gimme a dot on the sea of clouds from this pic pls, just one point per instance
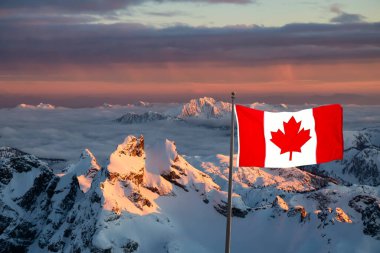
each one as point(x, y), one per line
point(64, 132)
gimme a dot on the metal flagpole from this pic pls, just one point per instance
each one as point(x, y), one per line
point(229, 208)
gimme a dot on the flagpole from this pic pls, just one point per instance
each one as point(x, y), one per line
point(229, 207)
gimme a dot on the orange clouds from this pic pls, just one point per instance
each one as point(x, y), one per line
point(202, 78)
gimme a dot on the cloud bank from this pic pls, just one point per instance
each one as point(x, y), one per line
point(94, 5)
point(135, 43)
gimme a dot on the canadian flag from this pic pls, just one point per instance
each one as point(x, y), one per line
point(288, 139)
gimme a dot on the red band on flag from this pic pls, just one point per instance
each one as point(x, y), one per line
point(328, 127)
point(250, 136)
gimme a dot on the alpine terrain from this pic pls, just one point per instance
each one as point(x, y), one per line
point(147, 193)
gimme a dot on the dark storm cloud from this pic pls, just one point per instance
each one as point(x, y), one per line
point(93, 5)
point(54, 44)
point(68, 5)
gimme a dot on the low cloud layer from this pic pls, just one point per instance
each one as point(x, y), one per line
point(64, 133)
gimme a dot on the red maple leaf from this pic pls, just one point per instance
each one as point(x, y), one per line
point(293, 139)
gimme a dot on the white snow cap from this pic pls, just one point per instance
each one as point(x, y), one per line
point(205, 107)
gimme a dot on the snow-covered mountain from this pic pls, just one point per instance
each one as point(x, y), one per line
point(205, 108)
point(149, 198)
point(39, 106)
point(143, 104)
point(209, 108)
point(131, 117)
point(361, 163)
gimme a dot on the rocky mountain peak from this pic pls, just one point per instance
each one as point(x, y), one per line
point(205, 107)
point(131, 117)
point(133, 146)
point(129, 158)
point(8, 152)
point(85, 169)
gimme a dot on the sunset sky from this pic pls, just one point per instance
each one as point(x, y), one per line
point(84, 53)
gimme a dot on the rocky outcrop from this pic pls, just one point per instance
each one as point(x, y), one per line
point(46, 210)
point(280, 204)
point(361, 161)
point(299, 211)
point(369, 208)
point(222, 208)
point(26, 205)
point(364, 165)
point(133, 170)
point(134, 118)
point(341, 216)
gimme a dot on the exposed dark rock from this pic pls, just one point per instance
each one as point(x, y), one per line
point(24, 163)
point(95, 197)
point(130, 247)
point(172, 177)
point(135, 147)
point(56, 247)
point(323, 199)
point(139, 200)
point(96, 250)
point(10, 247)
point(294, 211)
point(364, 166)
point(8, 152)
point(360, 161)
point(6, 174)
point(69, 200)
point(67, 232)
point(39, 186)
point(236, 212)
point(326, 218)
point(24, 231)
point(362, 141)
point(369, 208)
point(133, 118)
point(4, 222)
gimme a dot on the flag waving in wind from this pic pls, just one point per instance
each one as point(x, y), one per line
point(288, 139)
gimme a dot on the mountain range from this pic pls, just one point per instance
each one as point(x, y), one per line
point(68, 184)
point(151, 199)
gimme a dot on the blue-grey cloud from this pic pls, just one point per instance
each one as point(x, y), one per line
point(166, 13)
point(54, 44)
point(344, 17)
point(93, 5)
point(348, 18)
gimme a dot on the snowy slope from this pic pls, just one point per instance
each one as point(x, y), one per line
point(149, 198)
point(361, 162)
point(149, 194)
